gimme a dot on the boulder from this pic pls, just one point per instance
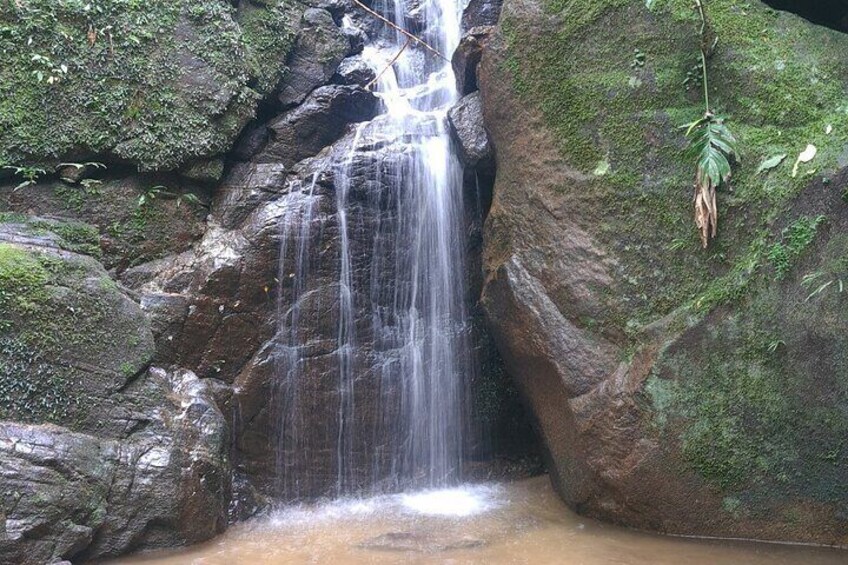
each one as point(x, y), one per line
point(354, 71)
point(319, 121)
point(179, 96)
point(687, 391)
point(481, 13)
point(466, 123)
point(75, 496)
point(98, 455)
point(467, 56)
point(319, 49)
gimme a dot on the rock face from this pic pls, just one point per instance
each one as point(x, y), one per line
point(316, 55)
point(318, 122)
point(151, 233)
point(161, 98)
point(679, 390)
point(130, 459)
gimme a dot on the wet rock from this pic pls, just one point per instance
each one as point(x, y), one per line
point(320, 48)
point(414, 15)
point(467, 56)
point(319, 121)
point(72, 495)
point(481, 13)
point(247, 186)
point(466, 122)
point(354, 71)
point(252, 140)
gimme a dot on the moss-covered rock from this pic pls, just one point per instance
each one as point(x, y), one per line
point(68, 336)
point(150, 83)
point(123, 221)
point(98, 455)
point(597, 284)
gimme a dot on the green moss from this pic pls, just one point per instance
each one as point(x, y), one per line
point(794, 241)
point(155, 83)
point(756, 395)
point(22, 281)
point(780, 83)
point(59, 316)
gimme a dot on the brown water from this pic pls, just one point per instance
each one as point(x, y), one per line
point(515, 523)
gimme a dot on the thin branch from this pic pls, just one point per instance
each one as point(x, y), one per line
point(704, 26)
point(400, 29)
point(389, 66)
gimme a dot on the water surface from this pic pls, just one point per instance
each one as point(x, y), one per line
point(516, 523)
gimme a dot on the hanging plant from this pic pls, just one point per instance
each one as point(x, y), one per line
point(711, 145)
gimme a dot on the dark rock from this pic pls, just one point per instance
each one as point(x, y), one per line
point(319, 121)
point(320, 48)
point(335, 7)
point(122, 232)
point(481, 13)
point(252, 140)
point(467, 56)
point(247, 186)
point(354, 71)
point(466, 122)
point(78, 496)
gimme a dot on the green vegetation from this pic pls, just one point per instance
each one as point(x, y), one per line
point(711, 143)
point(582, 84)
point(56, 319)
point(22, 281)
point(794, 241)
point(155, 83)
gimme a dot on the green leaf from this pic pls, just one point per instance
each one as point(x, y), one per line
point(771, 163)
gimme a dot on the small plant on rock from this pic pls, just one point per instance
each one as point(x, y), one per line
point(711, 144)
point(29, 174)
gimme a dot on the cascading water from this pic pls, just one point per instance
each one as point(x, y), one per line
point(382, 403)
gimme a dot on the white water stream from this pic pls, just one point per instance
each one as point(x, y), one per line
point(416, 361)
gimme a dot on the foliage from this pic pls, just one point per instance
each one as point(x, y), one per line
point(162, 192)
point(29, 174)
point(711, 145)
point(794, 241)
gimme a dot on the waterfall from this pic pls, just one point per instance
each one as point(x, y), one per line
point(385, 406)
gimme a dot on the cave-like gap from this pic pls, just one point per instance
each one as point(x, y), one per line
point(830, 13)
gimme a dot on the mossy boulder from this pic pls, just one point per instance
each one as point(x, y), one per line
point(154, 84)
point(122, 222)
point(678, 389)
point(69, 337)
point(98, 454)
